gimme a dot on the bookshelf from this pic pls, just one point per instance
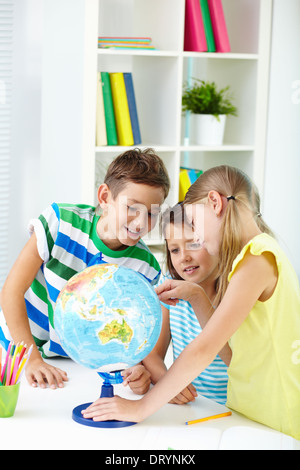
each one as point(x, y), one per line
point(159, 76)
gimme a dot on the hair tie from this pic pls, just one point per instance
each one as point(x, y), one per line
point(230, 197)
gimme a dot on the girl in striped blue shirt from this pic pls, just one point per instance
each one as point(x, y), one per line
point(187, 261)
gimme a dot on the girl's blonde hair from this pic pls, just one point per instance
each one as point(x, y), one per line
point(228, 181)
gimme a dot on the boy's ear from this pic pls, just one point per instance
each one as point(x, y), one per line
point(103, 195)
point(216, 202)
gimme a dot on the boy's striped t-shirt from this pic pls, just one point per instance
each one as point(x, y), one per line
point(184, 327)
point(68, 242)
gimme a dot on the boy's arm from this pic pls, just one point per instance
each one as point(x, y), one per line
point(12, 299)
point(14, 309)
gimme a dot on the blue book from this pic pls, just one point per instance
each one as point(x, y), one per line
point(132, 108)
point(192, 175)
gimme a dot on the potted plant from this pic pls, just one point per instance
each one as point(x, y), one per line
point(210, 108)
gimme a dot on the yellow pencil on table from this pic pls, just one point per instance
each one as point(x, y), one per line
point(201, 420)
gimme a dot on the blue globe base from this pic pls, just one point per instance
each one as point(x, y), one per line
point(107, 391)
point(77, 416)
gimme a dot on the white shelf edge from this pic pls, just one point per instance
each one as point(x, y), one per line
point(219, 55)
point(121, 149)
point(185, 54)
point(218, 148)
point(174, 148)
point(138, 52)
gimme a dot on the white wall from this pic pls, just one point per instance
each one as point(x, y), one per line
point(62, 91)
point(46, 32)
point(282, 176)
point(26, 121)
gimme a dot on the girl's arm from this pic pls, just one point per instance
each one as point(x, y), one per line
point(170, 291)
point(14, 309)
point(253, 278)
point(155, 364)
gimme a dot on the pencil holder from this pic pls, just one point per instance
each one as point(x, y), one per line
point(8, 400)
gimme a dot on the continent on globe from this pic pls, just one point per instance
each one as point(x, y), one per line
point(107, 317)
point(116, 331)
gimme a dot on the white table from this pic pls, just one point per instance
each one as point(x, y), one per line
point(43, 420)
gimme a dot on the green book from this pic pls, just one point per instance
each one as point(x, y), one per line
point(211, 46)
point(111, 130)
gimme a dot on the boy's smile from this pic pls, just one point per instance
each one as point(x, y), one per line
point(130, 216)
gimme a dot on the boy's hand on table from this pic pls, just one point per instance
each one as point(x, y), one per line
point(186, 396)
point(138, 379)
point(39, 373)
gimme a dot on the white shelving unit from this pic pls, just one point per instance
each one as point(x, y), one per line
point(159, 77)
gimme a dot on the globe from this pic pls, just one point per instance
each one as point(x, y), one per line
point(107, 317)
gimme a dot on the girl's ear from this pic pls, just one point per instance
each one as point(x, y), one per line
point(216, 202)
point(103, 195)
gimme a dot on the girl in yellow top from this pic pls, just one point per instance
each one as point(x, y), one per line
point(259, 312)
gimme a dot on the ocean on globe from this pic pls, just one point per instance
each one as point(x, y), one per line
point(107, 317)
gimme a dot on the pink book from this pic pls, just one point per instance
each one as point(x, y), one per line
point(219, 26)
point(194, 33)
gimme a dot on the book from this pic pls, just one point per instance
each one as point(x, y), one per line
point(121, 109)
point(187, 176)
point(219, 25)
point(101, 138)
point(132, 108)
point(209, 34)
point(122, 38)
point(234, 437)
point(184, 184)
point(111, 130)
point(194, 34)
point(125, 42)
point(126, 46)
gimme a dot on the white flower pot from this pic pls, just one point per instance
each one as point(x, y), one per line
point(208, 129)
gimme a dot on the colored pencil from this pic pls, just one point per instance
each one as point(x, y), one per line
point(15, 369)
point(7, 381)
point(222, 415)
point(0, 365)
point(22, 352)
point(5, 363)
point(16, 359)
point(21, 369)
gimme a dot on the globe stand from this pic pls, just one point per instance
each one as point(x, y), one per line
point(107, 391)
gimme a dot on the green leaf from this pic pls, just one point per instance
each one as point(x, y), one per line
point(204, 98)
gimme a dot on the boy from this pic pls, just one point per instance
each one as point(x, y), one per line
point(65, 239)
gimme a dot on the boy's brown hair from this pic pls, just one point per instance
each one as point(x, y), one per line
point(137, 166)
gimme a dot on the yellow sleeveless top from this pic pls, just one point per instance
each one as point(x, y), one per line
point(264, 374)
